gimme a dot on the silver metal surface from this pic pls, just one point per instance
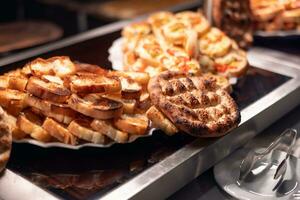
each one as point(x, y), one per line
point(260, 185)
point(285, 140)
point(13, 187)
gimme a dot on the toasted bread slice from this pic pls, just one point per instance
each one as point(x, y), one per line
point(17, 83)
point(11, 122)
point(4, 82)
point(96, 106)
point(82, 129)
point(132, 124)
point(144, 102)
point(130, 88)
point(59, 132)
point(30, 124)
point(12, 100)
point(60, 112)
point(160, 121)
point(129, 105)
point(94, 84)
point(94, 69)
point(62, 118)
point(139, 77)
point(107, 129)
point(50, 91)
point(59, 66)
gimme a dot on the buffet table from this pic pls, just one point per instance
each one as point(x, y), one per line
point(140, 169)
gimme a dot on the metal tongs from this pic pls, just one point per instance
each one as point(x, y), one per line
point(284, 142)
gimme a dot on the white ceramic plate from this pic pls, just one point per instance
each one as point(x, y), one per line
point(76, 147)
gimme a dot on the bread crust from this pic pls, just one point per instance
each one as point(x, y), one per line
point(194, 104)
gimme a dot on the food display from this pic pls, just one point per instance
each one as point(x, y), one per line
point(274, 15)
point(183, 42)
point(57, 100)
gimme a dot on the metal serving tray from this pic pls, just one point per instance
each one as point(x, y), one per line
point(150, 168)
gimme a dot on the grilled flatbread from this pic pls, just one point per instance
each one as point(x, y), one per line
point(194, 104)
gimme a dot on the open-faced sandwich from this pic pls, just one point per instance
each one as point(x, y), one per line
point(182, 42)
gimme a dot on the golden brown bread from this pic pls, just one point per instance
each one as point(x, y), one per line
point(60, 112)
point(140, 77)
point(31, 124)
point(132, 124)
point(194, 104)
point(160, 121)
point(82, 129)
point(50, 91)
point(107, 129)
point(92, 83)
point(59, 132)
point(96, 106)
point(18, 83)
point(12, 100)
point(130, 88)
point(60, 66)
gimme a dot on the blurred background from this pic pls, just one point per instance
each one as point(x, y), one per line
point(29, 23)
point(25, 24)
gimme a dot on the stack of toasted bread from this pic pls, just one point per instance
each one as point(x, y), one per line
point(182, 42)
point(57, 100)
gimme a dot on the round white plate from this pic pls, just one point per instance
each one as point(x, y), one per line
point(259, 187)
point(116, 54)
point(76, 147)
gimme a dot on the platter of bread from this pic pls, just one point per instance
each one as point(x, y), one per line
point(175, 78)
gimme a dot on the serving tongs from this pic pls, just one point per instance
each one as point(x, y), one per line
point(284, 142)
